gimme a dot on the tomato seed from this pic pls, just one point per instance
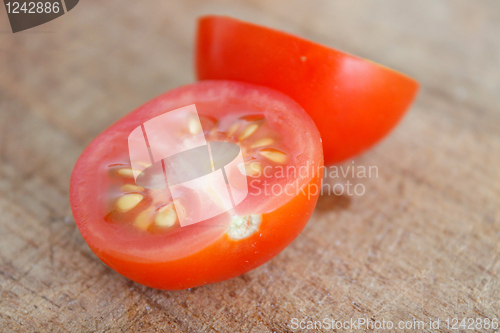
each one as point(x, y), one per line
point(232, 129)
point(127, 172)
point(143, 220)
point(262, 142)
point(194, 125)
point(250, 168)
point(273, 155)
point(249, 130)
point(166, 217)
point(131, 188)
point(128, 201)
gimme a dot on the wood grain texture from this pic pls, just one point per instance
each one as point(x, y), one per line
point(422, 243)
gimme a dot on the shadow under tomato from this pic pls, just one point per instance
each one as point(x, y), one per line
point(332, 202)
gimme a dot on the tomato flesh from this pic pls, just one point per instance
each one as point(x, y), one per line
point(135, 230)
point(354, 102)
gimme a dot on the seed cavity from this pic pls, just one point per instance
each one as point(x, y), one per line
point(128, 201)
point(249, 130)
point(262, 143)
point(208, 123)
point(274, 155)
point(244, 226)
point(131, 188)
point(166, 217)
point(253, 117)
point(250, 168)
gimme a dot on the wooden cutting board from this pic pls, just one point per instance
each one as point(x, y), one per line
point(422, 243)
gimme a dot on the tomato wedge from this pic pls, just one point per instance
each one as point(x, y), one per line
point(137, 230)
point(353, 101)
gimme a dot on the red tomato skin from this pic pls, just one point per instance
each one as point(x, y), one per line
point(354, 102)
point(225, 258)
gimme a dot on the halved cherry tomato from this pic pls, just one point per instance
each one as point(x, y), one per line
point(353, 101)
point(136, 231)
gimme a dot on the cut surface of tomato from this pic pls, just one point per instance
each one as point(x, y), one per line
point(354, 102)
point(136, 229)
